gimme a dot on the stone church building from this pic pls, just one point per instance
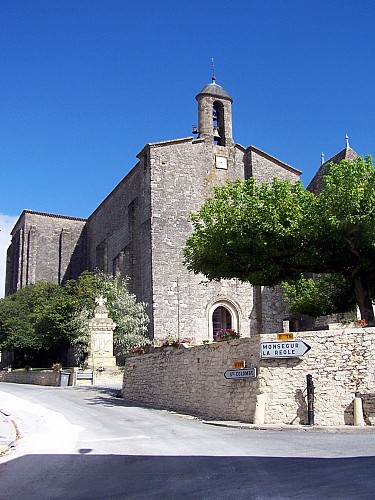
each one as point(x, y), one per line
point(141, 227)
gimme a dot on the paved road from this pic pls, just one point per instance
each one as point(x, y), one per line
point(81, 443)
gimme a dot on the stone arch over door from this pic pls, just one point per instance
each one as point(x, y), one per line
point(222, 314)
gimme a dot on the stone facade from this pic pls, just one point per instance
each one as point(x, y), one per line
point(341, 362)
point(139, 230)
point(45, 247)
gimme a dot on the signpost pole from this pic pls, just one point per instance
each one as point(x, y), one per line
point(310, 400)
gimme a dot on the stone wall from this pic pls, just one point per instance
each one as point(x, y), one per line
point(119, 231)
point(183, 175)
point(341, 362)
point(108, 378)
point(265, 167)
point(45, 247)
point(48, 377)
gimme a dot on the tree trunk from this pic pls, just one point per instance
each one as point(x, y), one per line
point(363, 298)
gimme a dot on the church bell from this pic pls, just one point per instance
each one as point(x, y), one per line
point(216, 133)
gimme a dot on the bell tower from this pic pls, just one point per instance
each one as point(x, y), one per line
point(215, 114)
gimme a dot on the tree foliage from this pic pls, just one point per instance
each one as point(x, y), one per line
point(46, 315)
point(319, 296)
point(274, 232)
point(37, 316)
point(128, 314)
point(254, 233)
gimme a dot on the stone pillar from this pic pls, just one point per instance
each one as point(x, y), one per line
point(358, 411)
point(101, 339)
point(260, 409)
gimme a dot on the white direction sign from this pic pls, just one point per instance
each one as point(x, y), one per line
point(286, 349)
point(242, 373)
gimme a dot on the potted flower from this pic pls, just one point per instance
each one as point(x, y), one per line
point(362, 323)
point(137, 350)
point(226, 334)
point(185, 342)
point(170, 341)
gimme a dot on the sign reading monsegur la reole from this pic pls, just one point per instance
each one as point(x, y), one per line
point(292, 349)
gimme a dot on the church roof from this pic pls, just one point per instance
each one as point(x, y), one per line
point(215, 90)
point(44, 214)
point(316, 184)
point(55, 216)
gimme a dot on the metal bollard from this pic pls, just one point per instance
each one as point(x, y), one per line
point(310, 400)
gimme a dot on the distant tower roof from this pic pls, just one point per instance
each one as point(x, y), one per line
point(316, 184)
point(214, 90)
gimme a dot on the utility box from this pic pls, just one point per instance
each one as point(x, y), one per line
point(64, 379)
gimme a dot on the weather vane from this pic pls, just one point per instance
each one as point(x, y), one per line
point(213, 71)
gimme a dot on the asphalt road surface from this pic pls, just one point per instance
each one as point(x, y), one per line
point(86, 443)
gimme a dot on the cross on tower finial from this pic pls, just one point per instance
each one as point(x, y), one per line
point(347, 141)
point(213, 71)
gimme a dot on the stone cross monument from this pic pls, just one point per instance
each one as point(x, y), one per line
point(101, 338)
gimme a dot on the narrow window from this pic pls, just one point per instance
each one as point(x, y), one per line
point(218, 123)
point(102, 257)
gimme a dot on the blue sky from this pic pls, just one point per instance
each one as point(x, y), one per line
point(84, 84)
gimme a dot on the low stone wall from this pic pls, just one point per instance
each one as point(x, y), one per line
point(48, 377)
point(108, 378)
point(341, 362)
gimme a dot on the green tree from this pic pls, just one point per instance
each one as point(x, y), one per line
point(274, 232)
point(38, 316)
point(324, 294)
point(84, 290)
point(128, 314)
point(46, 315)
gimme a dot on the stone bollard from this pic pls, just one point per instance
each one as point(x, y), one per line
point(358, 411)
point(260, 409)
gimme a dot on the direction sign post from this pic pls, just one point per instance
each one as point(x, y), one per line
point(287, 349)
point(242, 373)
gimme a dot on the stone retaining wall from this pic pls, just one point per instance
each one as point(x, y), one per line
point(51, 378)
point(341, 362)
point(108, 378)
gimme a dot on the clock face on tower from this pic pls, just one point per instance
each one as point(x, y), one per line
point(221, 162)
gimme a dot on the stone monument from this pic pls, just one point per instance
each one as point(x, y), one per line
point(101, 338)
